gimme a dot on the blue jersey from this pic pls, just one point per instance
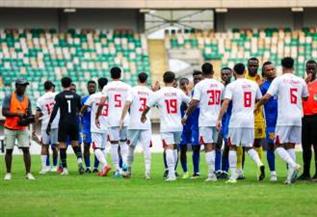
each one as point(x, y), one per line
point(270, 107)
point(225, 122)
point(85, 119)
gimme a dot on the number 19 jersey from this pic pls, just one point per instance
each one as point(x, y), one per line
point(169, 100)
point(242, 93)
point(209, 93)
point(116, 93)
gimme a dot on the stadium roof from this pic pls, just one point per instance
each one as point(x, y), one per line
point(158, 4)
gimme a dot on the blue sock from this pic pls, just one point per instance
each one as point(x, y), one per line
point(218, 160)
point(96, 163)
point(87, 160)
point(48, 160)
point(196, 158)
point(183, 158)
point(55, 159)
point(225, 163)
point(271, 159)
point(164, 160)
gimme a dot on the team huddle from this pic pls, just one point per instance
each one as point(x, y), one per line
point(228, 118)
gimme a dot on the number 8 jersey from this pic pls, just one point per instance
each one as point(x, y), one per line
point(289, 90)
point(242, 93)
point(169, 100)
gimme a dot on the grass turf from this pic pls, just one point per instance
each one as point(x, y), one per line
point(88, 195)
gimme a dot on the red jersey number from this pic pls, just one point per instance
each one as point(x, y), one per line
point(117, 99)
point(143, 104)
point(214, 97)
point(293, 95)
point(247, 96)
point(171, 106)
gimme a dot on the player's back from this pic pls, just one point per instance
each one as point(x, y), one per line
point(169, 100)
point(45, 104)
point(94, 101)
point(117, 93)
point(85, 118)
point(209, 93)
point(140, 95)
point(243, 93)
point(289, 90)
point(69, 104)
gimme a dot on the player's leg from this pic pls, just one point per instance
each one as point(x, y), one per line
point(23, 140)
point(306, 147)
point(87, 142)
point(9, 141)
point(315, 161)
point(44, 154)
point(225, 160)
point(74, 138)
point(207, 138)
point(232, 161)
point(54, 156)
point(165, 163)
point(240, 153)
point(168, 144)
point(63, 154)
point(185, 139)
point(123, 147)
point(114, 140)
point(270, 156)
point(218, 158)
point(196, 152)
point(99, 141)
point(133, 138)
point(145, 140)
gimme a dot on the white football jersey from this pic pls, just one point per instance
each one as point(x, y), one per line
point(45, 105)
point(139, 97)
point(209, 93)
point(289, 90)
point(116, 93)
point(169, 100)
point(243, 93)
point(94, 101)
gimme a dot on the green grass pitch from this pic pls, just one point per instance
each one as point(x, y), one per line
point(89, 195)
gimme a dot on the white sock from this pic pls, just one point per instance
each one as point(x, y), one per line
point(210, 160)
point(285, 156)
point(115, 156)
point(170, 162)
point(124, 151)
point(175, 153)
point(130, 157)
point(292, 153)
point(43, 160)
point(147, 158)
point(233, 163)
point(255, 157)
point(79, 160)
point(101, 157)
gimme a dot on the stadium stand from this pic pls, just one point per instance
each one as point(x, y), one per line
point(238, 45)
point(39, 54)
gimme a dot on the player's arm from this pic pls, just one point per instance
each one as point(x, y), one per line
point(83, 109)
point(262, 101)
point(124, 112)
point(223, 110)
point(191, 107)
point(99, 109)
point(143, 115)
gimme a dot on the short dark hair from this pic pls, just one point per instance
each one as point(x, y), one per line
point(48, 85)
point(66, 82)
point(91, 82)
point(184, 80)
point(287, 62)
point(142, 77)
point(311, 61)
point(225, 68)
point(168, 77)
point(207, 69)
point(239, 68)
point(102, 82)
point(115, 72)
point(253, 59)
point(265, 64)
point(197, 72)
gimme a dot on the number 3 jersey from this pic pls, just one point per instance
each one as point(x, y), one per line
point(139, 97)
point(209, 93)
point(116, 93)
point(242, 93)
point(169, 100)
point(289, 90)
point(45, 105)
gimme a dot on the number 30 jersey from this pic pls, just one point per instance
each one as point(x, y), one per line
point(242, 93)
point(45, 105)
point(139, 97)
point(209, 94)
point(289, 90)
point(169, 100)
point(116, 93)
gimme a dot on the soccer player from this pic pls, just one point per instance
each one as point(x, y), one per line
point(99, 134)
point(270, 108)
point(243, 93)
point(207, 94)
point(44, 107)
point(169, 100)
point(68, 103)
point(309, 121)
point(85, 122)
point(138, 132)
point(290, 90)
point(116, 92)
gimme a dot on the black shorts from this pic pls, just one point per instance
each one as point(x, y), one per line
point(68, 131)
point(309, 129)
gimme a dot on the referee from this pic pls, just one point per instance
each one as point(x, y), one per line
point(309, 122)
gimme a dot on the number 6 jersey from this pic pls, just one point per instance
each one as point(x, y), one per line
point(289, 90)
point(169, 100)
point(242, 93)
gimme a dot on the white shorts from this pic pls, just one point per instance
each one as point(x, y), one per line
point(288, 134)
point(51, 139)
point(139, 136)
point(241, 136)
point(99, 140)
point(170, 138)
point(208, 135)
point(115, 134)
